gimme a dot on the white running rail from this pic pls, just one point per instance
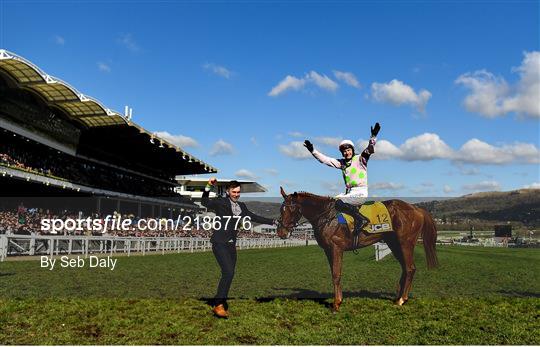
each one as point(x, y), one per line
point(32, 245)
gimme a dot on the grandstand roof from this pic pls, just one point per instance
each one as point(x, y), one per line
point(97, 120)
point(199, 182)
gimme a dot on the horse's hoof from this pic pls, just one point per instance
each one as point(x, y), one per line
point(400, 302)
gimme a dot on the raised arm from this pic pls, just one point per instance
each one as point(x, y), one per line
point(332, 162)
point(205, 200)
point(370, 149)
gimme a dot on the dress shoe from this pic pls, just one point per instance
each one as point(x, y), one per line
point(220, 311)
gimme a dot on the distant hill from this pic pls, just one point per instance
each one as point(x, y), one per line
point(266, 209)
point(521, 207)
point(518, 206)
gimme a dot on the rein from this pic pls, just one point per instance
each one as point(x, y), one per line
point(294, 204)
point(293, 225)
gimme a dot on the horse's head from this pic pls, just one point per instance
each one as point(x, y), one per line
point(291, 212)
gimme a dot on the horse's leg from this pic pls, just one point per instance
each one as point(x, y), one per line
point(393, 243)
point(410, 269)
point(329, 256)
point(337, 261)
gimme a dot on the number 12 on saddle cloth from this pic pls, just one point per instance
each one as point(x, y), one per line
point(376, 212)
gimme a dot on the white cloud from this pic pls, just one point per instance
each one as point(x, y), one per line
point(218, 70)
point(333, 187)
point(127, 41)
point(348, 77)
point(289, 82)
point(383, 149)
point(447, 189)
point(294, 83)
point(534, 185)
point(492, 96)
point(482, 186)
point(488, 93)
point(427, 146)
point(59, 40)
point(103, 67)
point(476, 151)
point(329, 141)
point(524, 152)
point(398, 93)
point(296, 134)
point(178, 140)
point(386, 186)
point(272, 172)
point(479, 152)
point(246, 174)
point(254, 141)
point(221, 148)
point(430, 146)
point(323, 82)
point(295, 150)
point(526, 100)
point(468, 171)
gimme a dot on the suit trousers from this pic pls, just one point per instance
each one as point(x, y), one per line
point(225, 254)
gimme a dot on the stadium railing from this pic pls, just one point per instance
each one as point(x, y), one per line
point(34, 245)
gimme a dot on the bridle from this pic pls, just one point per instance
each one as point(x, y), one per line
point(294, 224)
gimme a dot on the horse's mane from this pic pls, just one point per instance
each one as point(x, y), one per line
point(319, 198)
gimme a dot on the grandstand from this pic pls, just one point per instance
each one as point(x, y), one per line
point(63, 150)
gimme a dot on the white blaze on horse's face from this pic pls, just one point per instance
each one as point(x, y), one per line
point(282, 230)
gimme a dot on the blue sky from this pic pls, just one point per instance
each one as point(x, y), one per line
point(455, 85)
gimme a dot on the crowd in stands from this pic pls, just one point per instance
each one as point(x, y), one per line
point(27, 221)
point(23, 154)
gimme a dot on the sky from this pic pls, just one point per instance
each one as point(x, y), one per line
point(240, 85)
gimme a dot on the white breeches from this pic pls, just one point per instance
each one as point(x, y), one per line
point(356, 196)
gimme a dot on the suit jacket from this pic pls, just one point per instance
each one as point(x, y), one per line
point(222, 208)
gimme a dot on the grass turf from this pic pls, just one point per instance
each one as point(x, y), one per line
point(281, 296)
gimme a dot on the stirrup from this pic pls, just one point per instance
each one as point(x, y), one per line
point(355, 243)
point(356, 234)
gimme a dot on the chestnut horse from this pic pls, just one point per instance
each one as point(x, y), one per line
point(408, 222)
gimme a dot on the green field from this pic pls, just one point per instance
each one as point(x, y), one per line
point(281, 296)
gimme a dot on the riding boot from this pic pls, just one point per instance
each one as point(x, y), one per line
point(359, 220)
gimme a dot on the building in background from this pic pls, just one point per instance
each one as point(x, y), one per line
point(193, 187)
point(57, 142)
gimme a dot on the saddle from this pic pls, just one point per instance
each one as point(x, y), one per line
point(376, 212)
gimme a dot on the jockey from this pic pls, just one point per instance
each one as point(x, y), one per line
point(354, 169)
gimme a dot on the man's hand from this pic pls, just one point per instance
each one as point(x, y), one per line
point(212, 181)
point(375, 130)
point(308, 145)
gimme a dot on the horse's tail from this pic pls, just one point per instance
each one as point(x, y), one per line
point(429, 237)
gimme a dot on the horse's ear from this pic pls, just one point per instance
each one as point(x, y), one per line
point(295, 195)
point(283, 194)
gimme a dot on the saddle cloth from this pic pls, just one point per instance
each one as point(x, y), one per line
point(376, 212)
